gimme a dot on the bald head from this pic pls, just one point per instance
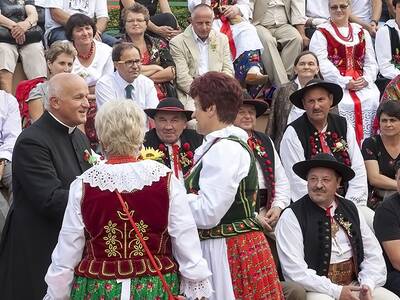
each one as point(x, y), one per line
point(203, 9)
point(202, 19)
point(67, 98)
point(62, 83)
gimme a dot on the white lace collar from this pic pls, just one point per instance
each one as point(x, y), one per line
point(124, 177)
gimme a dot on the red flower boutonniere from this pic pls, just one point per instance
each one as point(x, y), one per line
point(91, 158)
point(164, 150)
point(186, 157)
point(255, 145)
point(336, 143)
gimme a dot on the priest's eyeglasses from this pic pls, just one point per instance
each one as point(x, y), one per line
point(130, 63)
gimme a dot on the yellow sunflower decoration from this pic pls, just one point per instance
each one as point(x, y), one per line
point(150, 153)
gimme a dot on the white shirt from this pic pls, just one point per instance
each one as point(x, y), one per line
point(112, 87)
point(292, 152)
point(89, 8)
point(223, 167)
point(290, 246)
point(203, 53)
point(10, 124)
point(295, 112)
point(317, 9)
point(383, 50)
point(101, 65)
point(127, 177)
point(362, 9)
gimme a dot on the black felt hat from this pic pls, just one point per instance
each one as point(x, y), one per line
point(169, 104)
point(323, 160)
point(260, 105)
point(297, 97)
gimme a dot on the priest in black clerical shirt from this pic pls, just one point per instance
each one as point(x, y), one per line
point(47, 158)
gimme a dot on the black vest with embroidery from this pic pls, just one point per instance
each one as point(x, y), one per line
point(336, 132)
point(316, 230)
point(395, 46)
point(266, 159)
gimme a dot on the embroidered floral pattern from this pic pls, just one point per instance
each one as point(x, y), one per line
point(259, 150)
point(185, 155)
point(336, 143)
point(141, 287)
point(346, 225)
point(138, 249)
point(124, 244)
point(340, 146)
point(111, 239)
point(396, 59)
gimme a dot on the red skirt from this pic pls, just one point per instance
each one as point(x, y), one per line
point(253, 271)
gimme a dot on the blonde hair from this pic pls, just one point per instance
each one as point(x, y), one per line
point(120, 127)
point(60, 47)
point(348, 2)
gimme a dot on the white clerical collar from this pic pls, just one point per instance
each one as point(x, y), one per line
point(199, 40)
point(70, 129)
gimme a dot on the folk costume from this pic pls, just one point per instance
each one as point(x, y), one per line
point(302, 141)
point(47, 157)
point(273, 184)
point(347, 53)
point(179, 156)
point(244, 43)
point(325, 249)
point(99, 254)
point(388, 57)
point(223, 187)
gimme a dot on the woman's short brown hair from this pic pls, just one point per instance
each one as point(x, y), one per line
point(78, 20)
point(136, 8)
point(221, 90)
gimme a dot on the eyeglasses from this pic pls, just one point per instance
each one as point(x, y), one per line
point(341, 6)
point(130, 63)
point(316, 180)
point(135, 21)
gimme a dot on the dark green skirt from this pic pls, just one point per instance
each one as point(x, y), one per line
point(142, 288)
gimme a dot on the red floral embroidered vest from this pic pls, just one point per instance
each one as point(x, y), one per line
point(112, 248)
point(348, 59)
